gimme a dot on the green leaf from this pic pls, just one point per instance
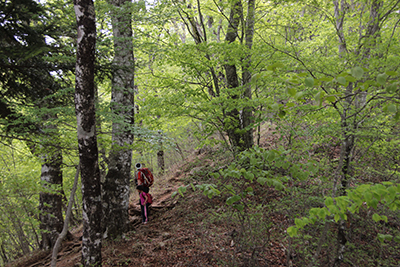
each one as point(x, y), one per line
point(326, 79)
point(248, 176)
point(262, 180)
point(376, 217)
point(381, 78)
point(298, 95)
point(328, 201)
point(182, 190)
point(382, 237)
point(274, 66)
point(282, 113)
point(290, 104)
point(309, 81)
point(239, 207)
point(292, 91)
point(357, 72)
point(350, 78)
point(249, 189)
point(233, 199)
point(341, 80)
point(391, 73)
point(331, 98)
point(275, 106)
point(392, 108)
point(215, 175)
point(292, 231)
point(277, 184)
point(392, 88)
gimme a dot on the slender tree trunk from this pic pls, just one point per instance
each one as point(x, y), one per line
point(68, 213)
point(347, 144)
point(160, 154)
point(87, 139)
point(117, 181)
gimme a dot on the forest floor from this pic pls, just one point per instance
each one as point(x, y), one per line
point(179, 233)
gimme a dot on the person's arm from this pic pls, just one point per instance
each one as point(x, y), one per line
point(145, 198)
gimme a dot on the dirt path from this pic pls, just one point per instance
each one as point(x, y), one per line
point(70, 252)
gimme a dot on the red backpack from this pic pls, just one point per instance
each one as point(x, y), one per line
point(149, 198)
point(148, 178)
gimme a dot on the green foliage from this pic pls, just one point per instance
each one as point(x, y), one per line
point(366, 195)
point(19, 195)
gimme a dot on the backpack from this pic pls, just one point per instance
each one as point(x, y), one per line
point(149, 198)
point(148, 178)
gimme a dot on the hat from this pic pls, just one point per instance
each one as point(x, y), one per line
point(138, 166)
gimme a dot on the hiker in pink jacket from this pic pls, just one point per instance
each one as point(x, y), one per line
point(145, 201)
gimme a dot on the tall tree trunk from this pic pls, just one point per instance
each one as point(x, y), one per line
point(339, 16)
point(232, 123)
point(50, 204)
point(87, 139)
point(347, 135)
point(116, 185)
point(247, 114)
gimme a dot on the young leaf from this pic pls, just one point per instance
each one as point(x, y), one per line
point(376, 217)
point(381, 78)
point(392, 88)
point(292, 231)
point(309, 81)
point(357, 72)
point(292, 91)
point(341, 80)
point(239, 207)
point(233, 199)
point(262, 180)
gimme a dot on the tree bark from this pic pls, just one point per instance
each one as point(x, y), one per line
point(116, 186)
point(50, 203)
point(160, 154)
point(87, 139)
point(232, 122)
point(247, 115)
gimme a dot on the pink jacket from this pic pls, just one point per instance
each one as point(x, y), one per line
point(143, 196)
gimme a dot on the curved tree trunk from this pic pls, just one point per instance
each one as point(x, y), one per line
point(116, 185)
point(87, 139)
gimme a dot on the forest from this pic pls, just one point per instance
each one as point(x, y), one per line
point(271, 127)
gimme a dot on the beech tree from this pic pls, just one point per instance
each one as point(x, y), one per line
point(117, 181)
point(87, 139)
